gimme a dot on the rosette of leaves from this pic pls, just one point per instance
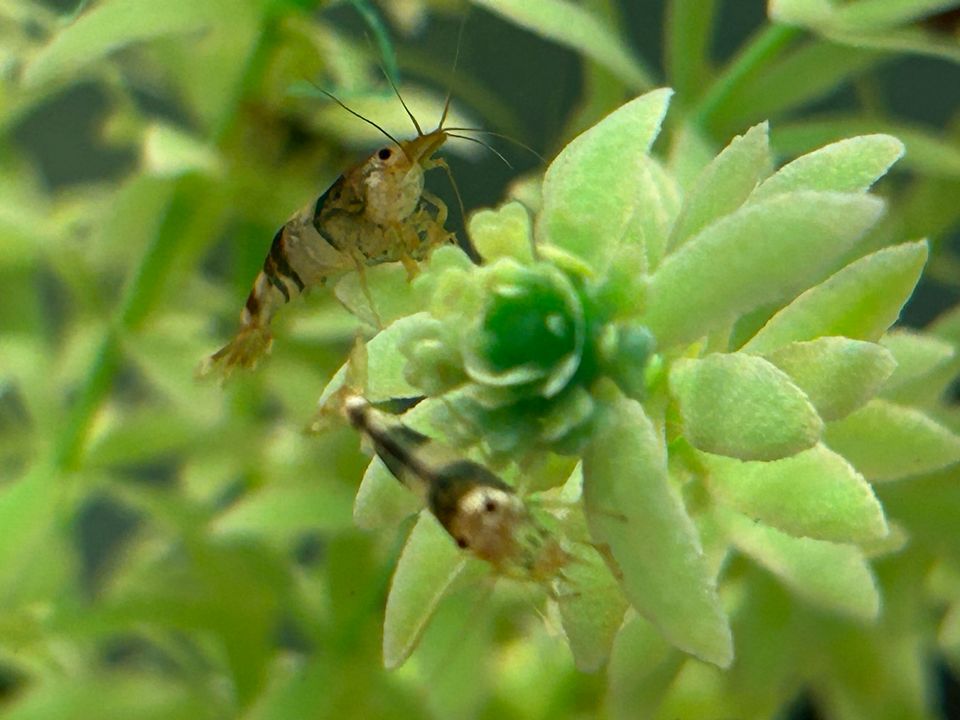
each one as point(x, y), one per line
point(753, 439)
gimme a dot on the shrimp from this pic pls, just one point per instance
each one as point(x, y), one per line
point(482, 514)
point(376, 212)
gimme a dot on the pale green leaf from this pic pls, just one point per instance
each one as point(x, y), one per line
point(761, 253)
point(592, 610)
point(428, 566)
point(634, 510)
point(576, 27)
point(924, 151)
point(382, 500)
point(281, 512)
point(111, 25)
point(923, 366)
point(850, 165)
point(504, 232)
point(860, 301)
point(885, 441)
point(837, 374)
point(869, 15)
point(658, 202)
point(725, 183)
point(386, 364)
point(815, 493)
point(829, 575)
point(590, 190)
point(742, 406)
point(109, 696)
point(642, 667)
point(169, 152)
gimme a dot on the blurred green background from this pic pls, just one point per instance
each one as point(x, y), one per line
point(174, 549)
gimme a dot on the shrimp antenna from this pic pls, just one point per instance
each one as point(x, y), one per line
point(453, 72)
point(488, 146)
point(353, 112)
point(396, 90)
point(502, 137)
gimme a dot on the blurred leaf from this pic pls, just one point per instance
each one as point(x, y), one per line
point(922, 366)
point(591, 189)
point(689, 29)
point(113, 24)
point(724, 184)
point(860, 301)
point(592, 609)
point(642, 667)
point(742, 406)
point(761, 253)
point(837, 374)
point(834, 577)
point(576, 27)
point(815, 493)
point(807, 74)
point(886, 441)
point(850, 165)
point(112, 696)
point(634, 511)
point(169, 151)
point(504, 232)
point(427, 568)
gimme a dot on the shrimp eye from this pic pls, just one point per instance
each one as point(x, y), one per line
point(384, 153)
point(490, 506)
point(461, 543)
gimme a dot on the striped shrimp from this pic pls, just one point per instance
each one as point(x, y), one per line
point(482, 514)
point(375, 212)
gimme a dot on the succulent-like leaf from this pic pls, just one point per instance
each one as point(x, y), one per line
point(831, 576)
point(851, 165)
point(634, 511)
point(815, 493)
point(741, 406)
point(885, 441)
point(860, 301)
point(428, 566)
point(837, 374)
point(590, 190)
point(725, 183)
point(762, 253)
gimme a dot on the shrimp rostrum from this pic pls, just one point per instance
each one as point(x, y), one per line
point(375, 212)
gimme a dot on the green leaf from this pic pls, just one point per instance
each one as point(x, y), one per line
point(886, 441)
point(922, 366)
point(924, 151)
point(590, 190)
point(742, 406)
point(860, 301)
point(169, 152)
point(657, 204)
point(851, 165)
point(576, 27)
point(504, 232)
point(382, 500)
point(689, 27)
point(815, 493)
point(592, 610)
point(642, 668)
point(832, 576)
point(428, 566)
point(634, 510)
point(837, 374)
point(725, 183)
point(111, 25)
point(870, 15)
point(761, 253)
point(811, 72)
point(111, 696)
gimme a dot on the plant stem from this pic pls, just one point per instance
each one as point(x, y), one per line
point(764, 47)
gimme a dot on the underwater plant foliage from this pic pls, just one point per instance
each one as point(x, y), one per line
point(683, 349)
